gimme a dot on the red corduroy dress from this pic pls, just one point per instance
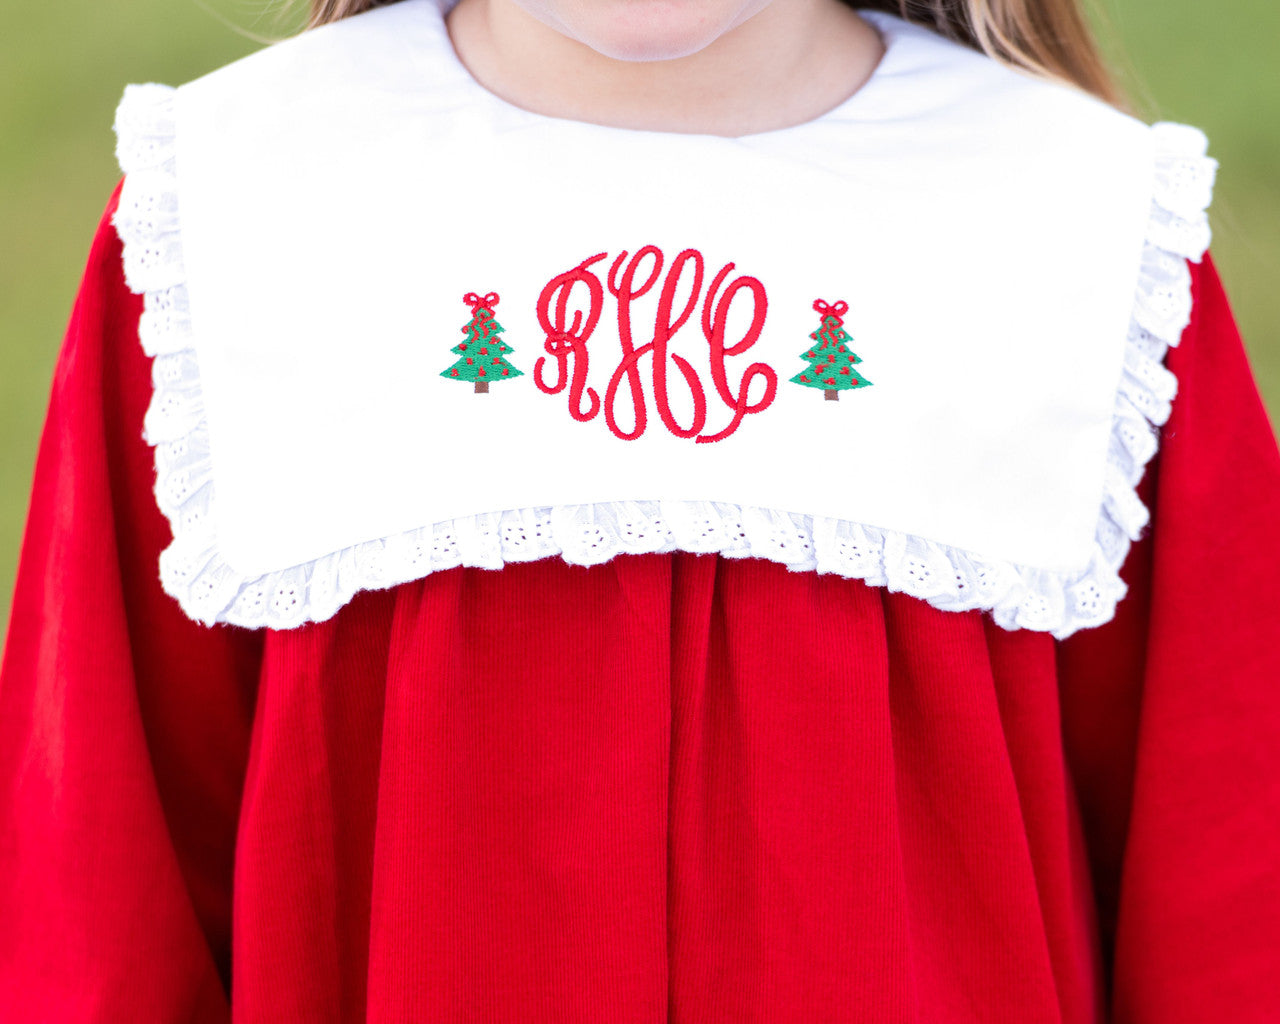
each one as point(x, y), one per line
point(671, 787)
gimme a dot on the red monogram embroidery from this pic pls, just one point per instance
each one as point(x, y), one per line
point(714, 329)
point(569, 343)
point(567, 339)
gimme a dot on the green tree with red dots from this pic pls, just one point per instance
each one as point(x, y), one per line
point(481, 354)
point(830, 359)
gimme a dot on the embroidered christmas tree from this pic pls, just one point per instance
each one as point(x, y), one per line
point(831, 361)
point(480, 354)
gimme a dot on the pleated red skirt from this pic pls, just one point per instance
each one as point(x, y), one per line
point(664, 788)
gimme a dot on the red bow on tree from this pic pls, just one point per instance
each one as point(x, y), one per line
point(838, 310)
point(484, 302)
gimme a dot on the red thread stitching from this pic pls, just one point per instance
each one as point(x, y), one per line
point(567, 340)
point(714, 330)
point(624, 290)
point(663, 330)
point(567, 343)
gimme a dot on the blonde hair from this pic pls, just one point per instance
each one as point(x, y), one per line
point(1049, 38)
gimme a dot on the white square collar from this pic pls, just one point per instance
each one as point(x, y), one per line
point(401, 325)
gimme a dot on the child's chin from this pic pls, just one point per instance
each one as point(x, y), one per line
point(650, 30)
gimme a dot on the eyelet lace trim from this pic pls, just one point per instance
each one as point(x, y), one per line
point(193, 571)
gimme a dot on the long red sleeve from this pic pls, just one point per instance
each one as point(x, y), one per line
point(123, 725)
point(1171, 712)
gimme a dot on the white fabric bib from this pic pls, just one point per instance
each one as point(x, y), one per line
point(994, 264)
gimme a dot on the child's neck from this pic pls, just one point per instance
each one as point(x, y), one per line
point(789, 63)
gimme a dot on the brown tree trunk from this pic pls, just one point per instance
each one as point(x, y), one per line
point(482, 387)
point(832, 395)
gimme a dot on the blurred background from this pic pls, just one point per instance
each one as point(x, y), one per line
point(63, 66)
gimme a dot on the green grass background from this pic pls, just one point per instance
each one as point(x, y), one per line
point(63, 66)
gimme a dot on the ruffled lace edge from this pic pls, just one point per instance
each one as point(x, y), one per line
point(209, 590)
